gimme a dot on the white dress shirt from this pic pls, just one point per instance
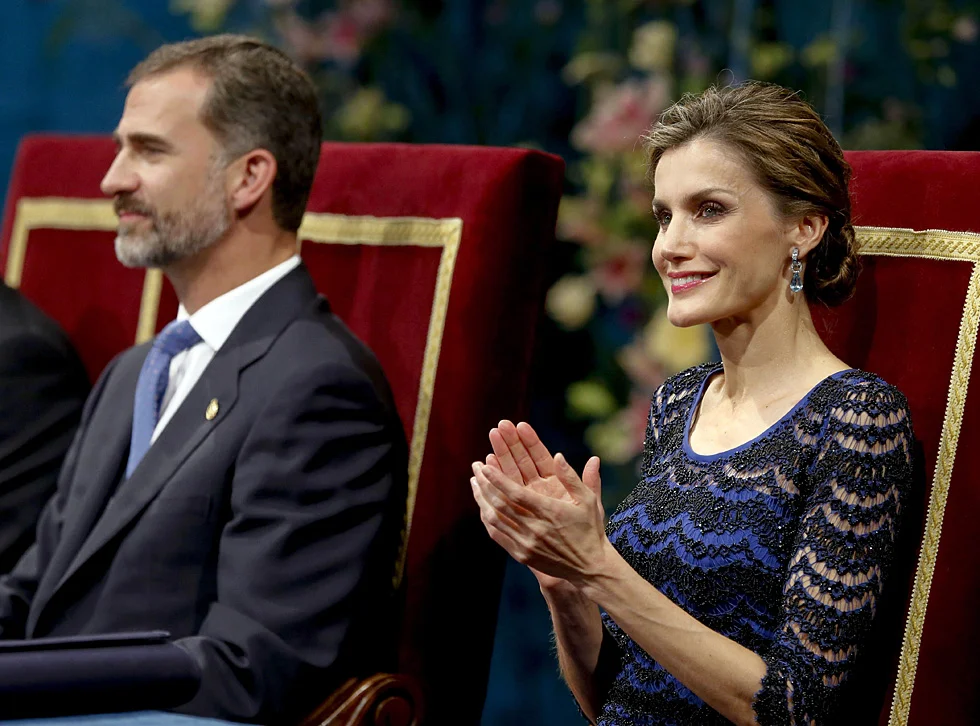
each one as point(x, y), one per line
point(214, 323)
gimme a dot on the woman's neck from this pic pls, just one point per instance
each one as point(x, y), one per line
point(772, 357)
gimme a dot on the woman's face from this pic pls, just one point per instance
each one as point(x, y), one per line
point(723, 251)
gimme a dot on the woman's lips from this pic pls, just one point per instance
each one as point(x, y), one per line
point(682, 283)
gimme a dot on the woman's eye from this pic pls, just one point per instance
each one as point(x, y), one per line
point(663, 218)
point(711, 209)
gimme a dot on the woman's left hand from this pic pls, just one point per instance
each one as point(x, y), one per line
point(559, 537)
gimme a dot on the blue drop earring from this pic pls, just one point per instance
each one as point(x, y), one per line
point(796, 283)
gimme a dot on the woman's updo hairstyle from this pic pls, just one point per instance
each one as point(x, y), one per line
point(794, 157)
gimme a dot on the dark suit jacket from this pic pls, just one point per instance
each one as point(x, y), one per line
point(264, 540)
point(42, 390)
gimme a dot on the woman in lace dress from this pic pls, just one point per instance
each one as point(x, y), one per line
point(737, 581)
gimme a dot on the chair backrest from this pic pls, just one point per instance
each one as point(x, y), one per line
point(434, 256)
point(913, 321)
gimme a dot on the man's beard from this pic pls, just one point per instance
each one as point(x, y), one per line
point(173, 236)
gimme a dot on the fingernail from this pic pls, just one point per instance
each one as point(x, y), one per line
point(473, 482)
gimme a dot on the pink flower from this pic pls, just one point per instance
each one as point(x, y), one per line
point(578, 221)
point(965, 29)
point(370, 16)
point(622, 273)
point(696, 63)
point(621, 114)
point(496, 13)
point(338, 36)
point(548, 12)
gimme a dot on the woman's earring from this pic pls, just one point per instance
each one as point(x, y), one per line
point(796, 283)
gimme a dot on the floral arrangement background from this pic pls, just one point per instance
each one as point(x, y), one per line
point(585, 79)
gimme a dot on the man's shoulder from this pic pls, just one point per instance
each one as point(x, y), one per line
point(33, 337)
point(319, 348)
point(320, 336)
point(19, 316)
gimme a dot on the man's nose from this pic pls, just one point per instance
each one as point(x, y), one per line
point(119, 178)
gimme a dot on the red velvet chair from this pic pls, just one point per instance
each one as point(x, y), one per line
point(433, 255)
point(914, 320)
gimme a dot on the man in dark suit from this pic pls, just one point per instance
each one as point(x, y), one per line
point(42, 389)
point(241, 481)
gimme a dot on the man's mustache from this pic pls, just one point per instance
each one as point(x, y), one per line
point(123, 205)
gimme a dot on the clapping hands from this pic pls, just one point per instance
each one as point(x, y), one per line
point(538, 509)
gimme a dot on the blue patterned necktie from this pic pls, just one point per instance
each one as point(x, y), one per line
point(177, 337)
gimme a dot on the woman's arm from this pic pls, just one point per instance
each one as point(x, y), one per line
point(566, 539)
point(578, 640)
point(575, 619)
point(722, 673)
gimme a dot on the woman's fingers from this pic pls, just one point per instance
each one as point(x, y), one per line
point(494, 523)
point(544, 462)
point(503, 495)
point(518, 452)
point(489, 513)
point(590, 476)
point(575, 487)
point(504, 456)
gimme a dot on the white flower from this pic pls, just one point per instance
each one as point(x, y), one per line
point(653, 46)
point(206, 15)
point(571, 301)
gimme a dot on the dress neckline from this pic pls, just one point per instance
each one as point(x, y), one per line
point(696, 404)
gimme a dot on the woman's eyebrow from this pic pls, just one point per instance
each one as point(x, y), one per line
point(697, 196)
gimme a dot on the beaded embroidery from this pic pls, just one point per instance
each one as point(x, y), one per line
point(780, 544)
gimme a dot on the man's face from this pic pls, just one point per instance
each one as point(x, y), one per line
point(167, 180)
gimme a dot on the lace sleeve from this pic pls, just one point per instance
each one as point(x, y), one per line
point(844, 547)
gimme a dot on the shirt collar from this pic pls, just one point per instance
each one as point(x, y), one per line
point(215, 321)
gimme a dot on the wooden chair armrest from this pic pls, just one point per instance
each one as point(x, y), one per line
point(384, 699)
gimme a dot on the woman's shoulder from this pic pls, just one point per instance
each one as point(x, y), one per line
point(681, 385)
point(866, 390)
point(863, 407)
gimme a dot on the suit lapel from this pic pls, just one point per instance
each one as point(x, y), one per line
point(189, 427)
point(182, 435)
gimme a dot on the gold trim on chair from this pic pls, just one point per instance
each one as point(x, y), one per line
point(78, 214)
point(97, 214)
point(416, 231)
point(936, 245)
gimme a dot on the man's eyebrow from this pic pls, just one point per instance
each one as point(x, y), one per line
point(142, 139)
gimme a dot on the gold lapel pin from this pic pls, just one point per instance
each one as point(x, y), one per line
point(212, 410)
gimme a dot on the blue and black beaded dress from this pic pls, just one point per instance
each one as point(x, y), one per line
point(780, 544)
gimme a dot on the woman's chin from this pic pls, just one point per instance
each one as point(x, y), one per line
point(684, 318)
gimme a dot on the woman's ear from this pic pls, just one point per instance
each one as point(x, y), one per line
point(808, 232)
point(251, 175)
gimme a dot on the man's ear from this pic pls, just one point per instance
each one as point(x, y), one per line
point(250, 176)
point(807, 233)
